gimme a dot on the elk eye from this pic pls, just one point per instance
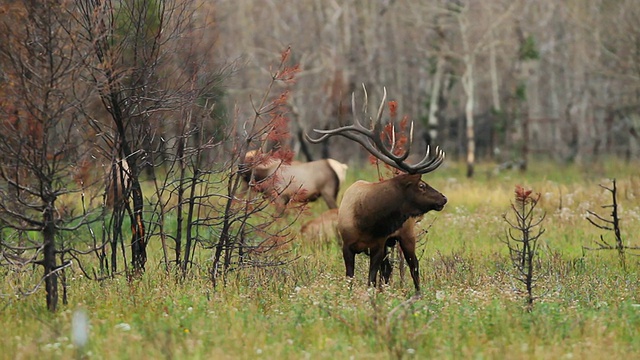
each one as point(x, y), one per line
point(422, 186)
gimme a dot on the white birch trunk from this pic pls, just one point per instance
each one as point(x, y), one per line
point(495, 92)
point(468, 85)
point(433, 103)
point(469, 90)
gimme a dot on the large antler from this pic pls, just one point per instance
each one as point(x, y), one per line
point(371, 140)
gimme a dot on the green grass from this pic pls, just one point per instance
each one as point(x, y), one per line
point(587, 306)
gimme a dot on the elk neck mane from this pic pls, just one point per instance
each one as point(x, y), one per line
point(384, 203)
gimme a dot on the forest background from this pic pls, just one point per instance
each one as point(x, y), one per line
point(123, 124)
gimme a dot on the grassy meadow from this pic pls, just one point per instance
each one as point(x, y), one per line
point(471, 307)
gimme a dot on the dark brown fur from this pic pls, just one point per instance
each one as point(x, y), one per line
point(372, 213)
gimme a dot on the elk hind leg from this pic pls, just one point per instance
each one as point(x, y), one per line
point(349, 260)
point(385, 267)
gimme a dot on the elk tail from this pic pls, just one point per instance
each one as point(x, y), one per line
point(339, 172)
point(339, 169)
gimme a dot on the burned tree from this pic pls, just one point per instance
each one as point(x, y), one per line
point(41, 141)
point(612, 224)
point(133, 46)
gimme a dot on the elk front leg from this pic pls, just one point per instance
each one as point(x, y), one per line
point(408, 247)
point(375, 263)
point(280, 203)
point(349, 260)
point(330, 200)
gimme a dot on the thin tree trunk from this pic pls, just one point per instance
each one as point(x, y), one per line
point(468, 85)
point(180, 193)
point(495, 83)
point(495, 95)
point(471, 141)
point(49, 261)
point(433, 103)
point(189, 225)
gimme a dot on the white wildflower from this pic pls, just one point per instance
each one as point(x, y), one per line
point(123, 327)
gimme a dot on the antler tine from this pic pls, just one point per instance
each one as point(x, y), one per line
point(365, 105)
point(343, 130)
point(378, 121)
point(427, 164)
point(410, 139)
point(356, 122)
point(398, 161)
point(318, 140)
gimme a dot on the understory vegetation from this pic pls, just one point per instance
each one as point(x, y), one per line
point(586, 305)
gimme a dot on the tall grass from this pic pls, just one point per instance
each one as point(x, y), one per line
point(587, 306)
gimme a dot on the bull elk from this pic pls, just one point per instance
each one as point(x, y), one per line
point(301, 182)
point(374, 216)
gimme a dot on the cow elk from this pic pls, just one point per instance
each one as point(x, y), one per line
point(322, 227)
point(298, 181)
point(375, 216)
